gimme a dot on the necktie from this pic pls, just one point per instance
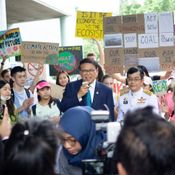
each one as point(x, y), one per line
point(88, 98)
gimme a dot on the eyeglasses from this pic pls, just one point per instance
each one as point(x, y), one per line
point(84, 71)
point(133, 79)
point(71, 142)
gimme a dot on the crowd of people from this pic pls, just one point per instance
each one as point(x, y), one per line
point(44, 135)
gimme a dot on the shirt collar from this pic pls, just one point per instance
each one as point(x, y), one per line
point(92, 85)
point(136, 93)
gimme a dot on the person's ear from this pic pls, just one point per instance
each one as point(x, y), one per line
point(121, 169)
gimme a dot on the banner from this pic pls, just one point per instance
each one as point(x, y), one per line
point(90, 24)
point(68, 60)
point(10, 41)
point(39, 52)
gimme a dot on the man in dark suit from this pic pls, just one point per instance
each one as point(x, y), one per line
point(77, 92)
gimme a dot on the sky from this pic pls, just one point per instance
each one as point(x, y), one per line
point(49, 30)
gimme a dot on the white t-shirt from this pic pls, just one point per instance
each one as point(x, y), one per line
point(46, 112)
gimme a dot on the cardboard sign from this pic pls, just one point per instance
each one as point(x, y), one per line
point(115, 60)
point(146, 53)
point(160, 87)
point(39, 52)
point(68, 60)
point(167, 58)
point(57, 91)
point(151, 34)
point(131, 57)
point(115, 56)
point(112, 24)
point(110, 69)
point(10, 41)
point(140, 23)
point(90, 24)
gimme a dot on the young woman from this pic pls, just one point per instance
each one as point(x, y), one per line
point(62, 78)
point(31, 149)
point(47, 107)
point(109, 81)
point(6, 100)
point(79, 139)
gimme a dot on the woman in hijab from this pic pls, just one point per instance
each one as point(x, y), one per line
point(79, 139)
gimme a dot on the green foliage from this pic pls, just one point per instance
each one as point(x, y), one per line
point(90, 46)
point(135, 7)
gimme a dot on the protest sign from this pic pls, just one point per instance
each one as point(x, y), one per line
point(112, 25)
point(68, 60)
point(151, 34)
point(39, 52)
point(32, 69)
point(167, 58)
point(10, 41)
point(90, 24)
point(159, 87)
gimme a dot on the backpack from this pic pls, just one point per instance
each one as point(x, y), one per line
point(27, 93)
point(57, 101)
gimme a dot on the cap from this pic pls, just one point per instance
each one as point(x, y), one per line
point(42, 85)
point(148, 81)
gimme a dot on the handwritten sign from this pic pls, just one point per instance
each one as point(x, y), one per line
point(31, 71)
point(148, 40)
point(112, 24)
point(159, 87)
point(40, 52)
point(151, 23)
point(110, 69)
point(90, 24)
point(167, 58)
point(166, 39)
point(130, 40)
point(68, 60)
point(10, 41)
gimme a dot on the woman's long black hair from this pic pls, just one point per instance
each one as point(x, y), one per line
point(9, 103)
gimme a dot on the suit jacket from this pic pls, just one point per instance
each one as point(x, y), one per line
point(102, 95)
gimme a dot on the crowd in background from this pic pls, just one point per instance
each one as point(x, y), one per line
point(52, 135)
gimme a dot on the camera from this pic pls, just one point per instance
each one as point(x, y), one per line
point(104, 164)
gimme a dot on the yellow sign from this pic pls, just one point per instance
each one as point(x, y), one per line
point(90, 24)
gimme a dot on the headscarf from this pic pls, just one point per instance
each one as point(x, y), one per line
point(77, 122)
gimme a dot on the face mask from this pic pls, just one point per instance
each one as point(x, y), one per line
point(5, 98)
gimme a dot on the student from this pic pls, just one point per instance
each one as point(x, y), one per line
point(145, 145)
point(109, 81)
point(5, 74)
point(5, 129)
point(47, 107)
point(22, 97)
point(80, 140)
point(88, 91)
point(6, 100)
point(31, 149)
point(62, 78)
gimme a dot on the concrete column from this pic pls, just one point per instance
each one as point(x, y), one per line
point(67, 30)
point(3, 16)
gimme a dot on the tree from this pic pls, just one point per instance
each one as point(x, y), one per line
point(135, 7)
